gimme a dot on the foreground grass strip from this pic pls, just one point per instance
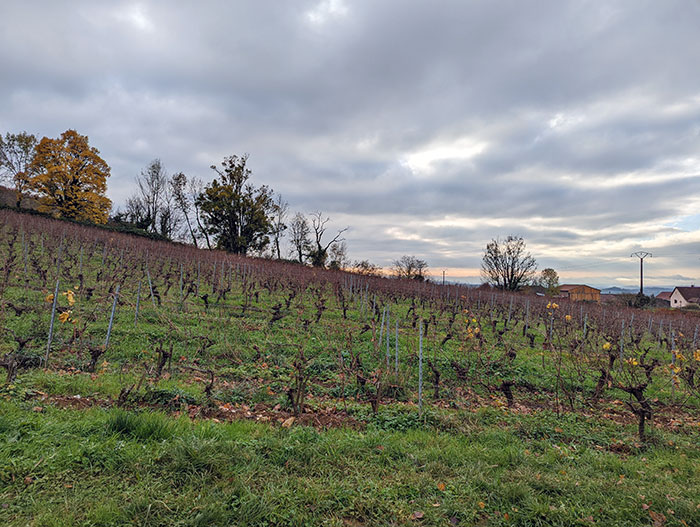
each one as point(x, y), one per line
point(110, 467)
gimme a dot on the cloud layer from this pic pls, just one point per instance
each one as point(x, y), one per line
point(429, 129)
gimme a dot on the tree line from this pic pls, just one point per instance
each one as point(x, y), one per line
point(68, 178)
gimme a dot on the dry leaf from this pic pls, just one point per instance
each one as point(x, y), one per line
point(417, 515)
point(441, 486)
point(658, 519)
point(288, 423)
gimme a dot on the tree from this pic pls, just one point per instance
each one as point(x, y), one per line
point(338, 256)
point(279, 216)
point(70, 178)
point(236, 212)
point(410, 267)
point(299, 231)
point(194, 190)
point(178, 186)
point(161, 203)
point(365, 268)
point(318, 254)
point(16, 155)
point(506, 264)
point(549, 279)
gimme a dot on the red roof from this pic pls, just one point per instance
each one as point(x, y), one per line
point(573, 287)
point(664, 295)
point(690, 294)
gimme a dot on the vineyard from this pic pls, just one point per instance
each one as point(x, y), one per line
point(158, 341)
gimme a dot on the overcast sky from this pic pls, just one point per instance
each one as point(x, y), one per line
point(429, 128)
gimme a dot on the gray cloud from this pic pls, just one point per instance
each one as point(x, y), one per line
point(429, 130)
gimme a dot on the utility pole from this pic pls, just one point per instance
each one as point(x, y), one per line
point(443, 277)
point(641, 255)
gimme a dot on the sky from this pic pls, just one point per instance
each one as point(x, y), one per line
point(427, 128)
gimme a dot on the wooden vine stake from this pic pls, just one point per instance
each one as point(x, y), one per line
point(111, 316)
point(420, 368)
point(53, 317)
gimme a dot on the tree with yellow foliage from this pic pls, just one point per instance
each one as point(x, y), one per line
point(70, 178)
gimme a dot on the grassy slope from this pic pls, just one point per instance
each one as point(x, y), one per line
point(94, 466)
point(97, 467)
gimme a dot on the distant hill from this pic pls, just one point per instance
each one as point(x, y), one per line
point(651, 290)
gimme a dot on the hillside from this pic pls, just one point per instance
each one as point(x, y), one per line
point(156, 384)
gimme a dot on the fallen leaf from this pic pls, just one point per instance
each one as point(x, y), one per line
point(481, 504)
point(288, 423)
point(658, 519)
point(417, 515)
point(441, 487)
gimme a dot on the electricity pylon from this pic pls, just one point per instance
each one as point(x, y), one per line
point(641, 255)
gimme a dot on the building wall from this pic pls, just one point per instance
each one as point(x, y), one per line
point(677, 299)
point(584, 294)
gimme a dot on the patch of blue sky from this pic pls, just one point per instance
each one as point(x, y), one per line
point(687, 223)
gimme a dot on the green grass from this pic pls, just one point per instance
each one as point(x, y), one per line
point(98, 467)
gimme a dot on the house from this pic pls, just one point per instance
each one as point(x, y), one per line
point(682, 296)
point(579, 293)
point(664, 298)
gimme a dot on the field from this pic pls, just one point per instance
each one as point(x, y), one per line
point(155, 384)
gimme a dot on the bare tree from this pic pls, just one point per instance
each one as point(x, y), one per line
point(279, 216)
point(155, 207)
point(152, 183)
point(507, 265)
point(178, 185)
point(195, 189)
point(170, 218)
point(366, 268)
point(299, 231)
point(319, 251)
point(338, 256)
point(136, 212)
point(410, 267)
point(16, 156)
